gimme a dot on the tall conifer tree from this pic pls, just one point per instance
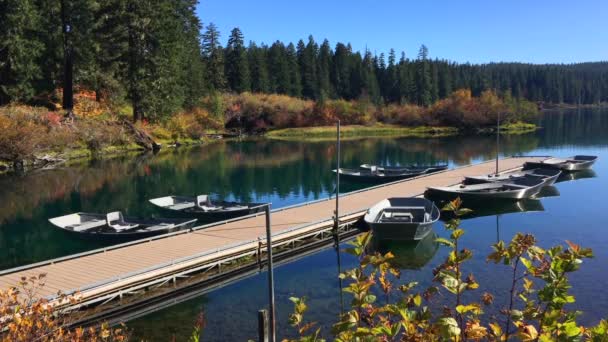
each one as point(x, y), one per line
point(237, 65)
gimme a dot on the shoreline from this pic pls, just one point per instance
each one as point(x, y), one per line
point(50, 159)
point(320, 133)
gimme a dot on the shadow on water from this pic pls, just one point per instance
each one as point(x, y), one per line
point(408, 255)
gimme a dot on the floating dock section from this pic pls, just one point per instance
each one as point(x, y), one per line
point(103, 275)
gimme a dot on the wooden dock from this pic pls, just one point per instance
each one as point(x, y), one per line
point(101, 275)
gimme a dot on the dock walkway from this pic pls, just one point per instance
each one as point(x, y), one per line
point(108, 271)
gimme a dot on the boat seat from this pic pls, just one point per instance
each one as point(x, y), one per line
point(161, 226)
point(203, 201)
point(180, 206)
point(116, 221)
point(86, 225)
point(209, 208)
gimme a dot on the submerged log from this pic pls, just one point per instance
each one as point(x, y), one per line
point(142, 138)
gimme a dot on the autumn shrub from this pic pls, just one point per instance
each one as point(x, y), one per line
point(405, 115)
point(20, 137)
point(185, 125)
point(535, 308)
point(259, 111)
point(24, 317)
point(348, 112)
point(96, 135)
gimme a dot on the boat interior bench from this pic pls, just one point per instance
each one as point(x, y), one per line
point(81, 227)
point(403, 214)
point(180, 206)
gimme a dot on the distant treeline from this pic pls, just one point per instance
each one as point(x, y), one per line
point(155, 55)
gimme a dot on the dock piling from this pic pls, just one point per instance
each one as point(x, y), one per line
point(263, 325)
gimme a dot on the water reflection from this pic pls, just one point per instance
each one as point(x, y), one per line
point(408, 255)
point(571, 176)
point(260, 170)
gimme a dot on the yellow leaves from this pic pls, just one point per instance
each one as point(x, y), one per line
point(475, 331)
point(496, 330)
point(526, 332)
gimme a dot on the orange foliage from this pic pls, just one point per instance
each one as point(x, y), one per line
point(463, 110)
point(29, 318)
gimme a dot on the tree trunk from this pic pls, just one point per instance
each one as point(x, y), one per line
point(142, 138)
point(68, 92)
point(134, 46)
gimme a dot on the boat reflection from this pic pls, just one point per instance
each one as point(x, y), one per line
point(571, 176)
point(497, 208)
point(548, 191)
point(409, 255)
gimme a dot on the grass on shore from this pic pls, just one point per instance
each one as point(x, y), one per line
point(518, 128)
point(377, 130)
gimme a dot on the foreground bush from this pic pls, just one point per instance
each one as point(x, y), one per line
point(24, 317)
point(536, 309)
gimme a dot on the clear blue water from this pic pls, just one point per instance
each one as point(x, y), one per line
point(286, 173)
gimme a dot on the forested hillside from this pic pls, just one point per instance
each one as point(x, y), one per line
point(155, 56)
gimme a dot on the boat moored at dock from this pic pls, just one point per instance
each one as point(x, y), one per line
point(373, 173)
point(402, 218)
point(549, 176)
point(406, 168)
point(202, 206)
point(574, 163)
point(114, 225)
point(517, 189)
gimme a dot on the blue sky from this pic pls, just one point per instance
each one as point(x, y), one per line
point(536, 31)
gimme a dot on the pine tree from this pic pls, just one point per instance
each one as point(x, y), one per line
point(445, 81)
point(19, 50)
point(278, 67)
point(214, 58)
point(294, 71)
point(340, 71)
point(111, 48)
point(307, 59)
point(193, 72)
point(258, 68)
point(323, 71)
point(77, 21)
point(237, 65)
point(423, 78)
point(370, 87)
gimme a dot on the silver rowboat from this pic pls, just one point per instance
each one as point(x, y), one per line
point(575, 163)
point(549, 176)
point(402, 218)
point(514, 190)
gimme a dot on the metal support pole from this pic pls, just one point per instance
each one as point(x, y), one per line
point(337, 212)
point(263, 326)
point(497, 139)
point(271, 326)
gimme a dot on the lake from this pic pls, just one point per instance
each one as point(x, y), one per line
point(290, 172)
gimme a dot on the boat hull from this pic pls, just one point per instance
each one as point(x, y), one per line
point(412, 168)
point(401, 232)
point(494, 192)
point(383, 218)
point(184, 206)
point(211, 216)
point(104, 232)
point(549, 176)
point(372, 178)
point(576, 163)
